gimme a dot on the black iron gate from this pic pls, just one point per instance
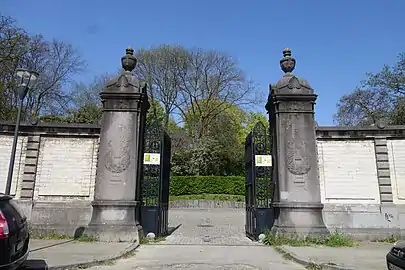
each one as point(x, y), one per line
point(259, 213)
point(155, 181)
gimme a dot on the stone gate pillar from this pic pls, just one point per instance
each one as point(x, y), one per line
point(297, 198)
point(116, 205)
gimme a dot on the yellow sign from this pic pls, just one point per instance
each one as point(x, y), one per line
point(263, 161)
point(151, 159)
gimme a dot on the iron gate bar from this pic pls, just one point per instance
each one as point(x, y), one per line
point(249, 198)
point(155, 182)
point(259, 213)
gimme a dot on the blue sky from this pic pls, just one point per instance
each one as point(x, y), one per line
point(334, 42)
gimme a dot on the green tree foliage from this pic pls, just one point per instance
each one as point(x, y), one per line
point(206, 92)
point(379, 98)
point(251, 119)
point(220, 151)
point(156, 112)
point(194, 83)
point(199, 96)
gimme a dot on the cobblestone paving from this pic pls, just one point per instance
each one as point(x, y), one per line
point(208, 227)
point(206, 240)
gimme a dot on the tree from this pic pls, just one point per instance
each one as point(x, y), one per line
point(85, 103)
point(160, 68)
point(186, 80)
point(213, 154)
point(251, 119)
point(155, 113)
point(212, 83)
point(86, 106)
point(89, 94)
point(379, 98)
point(397, 116)
point(55, 61)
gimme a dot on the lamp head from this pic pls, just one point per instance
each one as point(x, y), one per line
point(25, 79)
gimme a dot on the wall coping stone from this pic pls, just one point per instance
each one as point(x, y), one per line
point(335, 132)
point(51, 129)
point(322, 132)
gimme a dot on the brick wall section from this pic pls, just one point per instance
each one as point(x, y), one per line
point(66, 167)
point(30, 169)
point(383, 169)
point(6, 141)
point(26, 174)
point(347, 171)
point(380, 137)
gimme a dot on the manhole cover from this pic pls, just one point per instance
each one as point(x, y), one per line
point(205, 225)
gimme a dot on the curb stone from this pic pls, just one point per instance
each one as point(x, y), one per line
point(306, 262)
point(131, 247)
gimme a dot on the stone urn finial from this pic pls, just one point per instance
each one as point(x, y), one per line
point(129, 60)
point(287, 63)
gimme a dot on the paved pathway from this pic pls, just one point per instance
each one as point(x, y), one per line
point(208, 227)
point(205, 240)
point(369, 256)
point(203, 257)
point(66, 252)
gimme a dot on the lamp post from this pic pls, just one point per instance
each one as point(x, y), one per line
point(25, 80)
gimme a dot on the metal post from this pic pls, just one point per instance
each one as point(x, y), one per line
point(13, 150)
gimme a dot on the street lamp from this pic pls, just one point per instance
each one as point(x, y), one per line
point(25, 80)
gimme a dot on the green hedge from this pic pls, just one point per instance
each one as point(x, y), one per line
point(190, 185)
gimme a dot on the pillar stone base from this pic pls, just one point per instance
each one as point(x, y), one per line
point(115, 221)
point(299, 220)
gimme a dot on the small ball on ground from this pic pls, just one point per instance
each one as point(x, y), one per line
point(261, 237)
point(151, 235)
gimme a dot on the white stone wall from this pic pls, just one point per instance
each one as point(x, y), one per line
point(396, 155)
point(66, 168)
point(5, 152)
point(348, 172)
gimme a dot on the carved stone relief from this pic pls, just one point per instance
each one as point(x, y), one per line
point(121, 104)
point(293, 83)
point(117, 159)
point(298, 160)
point(122, 81)
point(294, 106)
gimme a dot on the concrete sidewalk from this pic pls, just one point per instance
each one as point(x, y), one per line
point(369, 256)
point(203, 257)
point(64, 254)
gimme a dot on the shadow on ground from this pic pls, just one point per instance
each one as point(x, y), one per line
point(34, 265)
point(49, 246)
point(78, 233)
point(172, 229)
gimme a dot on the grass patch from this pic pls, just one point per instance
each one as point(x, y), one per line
point(56, 236)
point(287, 256)
point(146, 240)
point(214, 197)
point(391, 239)
point(109, 262)
point(49, 236)
point(333, 240)
point(129, 254)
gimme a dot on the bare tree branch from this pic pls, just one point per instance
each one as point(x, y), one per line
point(379, 98)
point(55, 61)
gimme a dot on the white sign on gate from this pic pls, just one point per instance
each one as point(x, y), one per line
point(151, 159)
point(263, 161)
